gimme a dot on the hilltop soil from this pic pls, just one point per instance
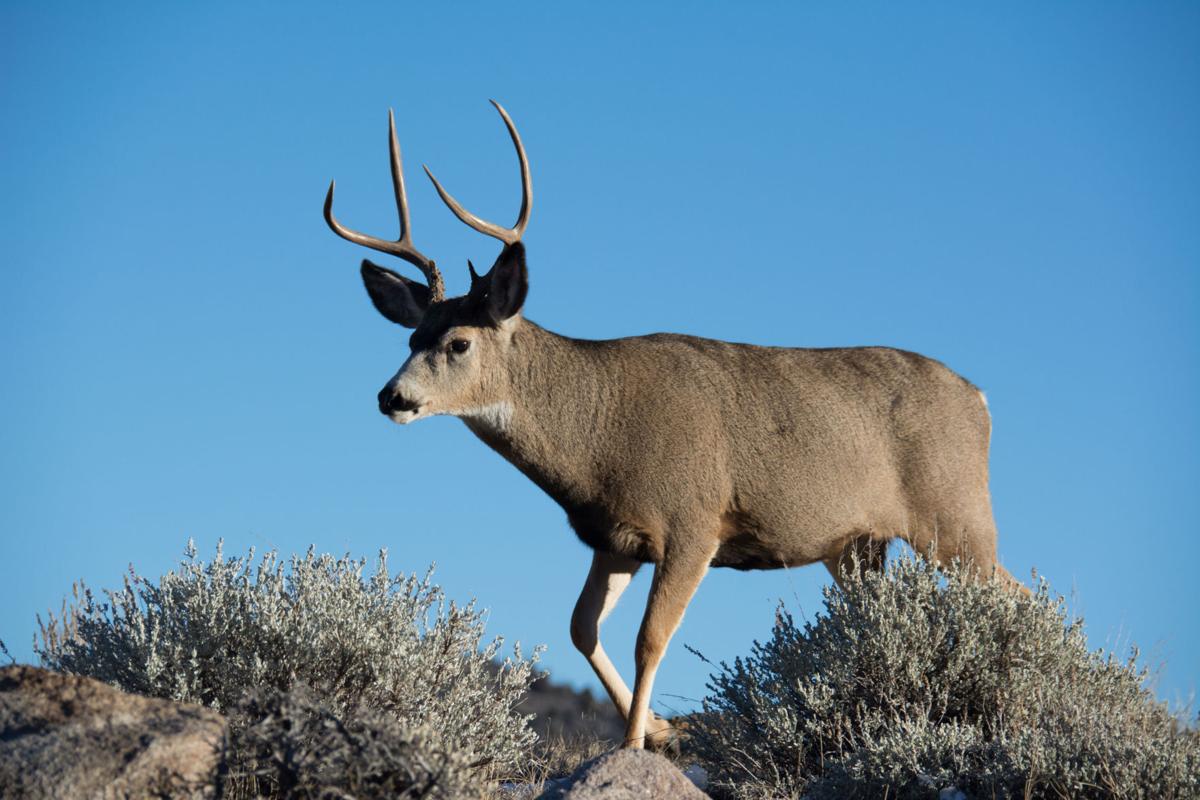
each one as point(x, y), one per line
point(563, 712)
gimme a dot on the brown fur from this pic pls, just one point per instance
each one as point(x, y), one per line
point(688, 453)
point(782, 455)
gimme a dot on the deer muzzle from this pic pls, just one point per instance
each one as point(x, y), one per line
point(392, 402)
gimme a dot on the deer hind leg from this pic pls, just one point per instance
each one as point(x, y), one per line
point(606, 581)
point(974, 546)
point(676, 579)
point(868, 553)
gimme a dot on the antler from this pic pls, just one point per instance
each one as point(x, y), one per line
point(506, 235)
point(402, 247)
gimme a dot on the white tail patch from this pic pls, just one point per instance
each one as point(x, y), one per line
point(987, 412)
point(493, 416)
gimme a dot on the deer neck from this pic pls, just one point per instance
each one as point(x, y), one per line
point(556, 409)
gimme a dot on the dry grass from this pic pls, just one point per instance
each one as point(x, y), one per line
point(556, 756)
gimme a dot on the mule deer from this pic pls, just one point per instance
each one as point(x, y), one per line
point(686, 452)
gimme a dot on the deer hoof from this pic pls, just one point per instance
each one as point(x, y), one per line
point(661, 736)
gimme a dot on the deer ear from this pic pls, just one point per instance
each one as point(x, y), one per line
point(396, 297)
point(509, 283)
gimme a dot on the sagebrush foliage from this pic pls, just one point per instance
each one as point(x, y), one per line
point(292, 744)
point(912, 682)
point(209, 631)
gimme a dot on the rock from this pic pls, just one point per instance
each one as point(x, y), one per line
point(625, 775)
point(697, 775)
point(68, 736)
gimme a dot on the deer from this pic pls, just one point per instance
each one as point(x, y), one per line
point(684, 452)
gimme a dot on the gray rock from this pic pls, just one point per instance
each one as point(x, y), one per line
point(626, 775)
point(697, 775)
point(68, 736)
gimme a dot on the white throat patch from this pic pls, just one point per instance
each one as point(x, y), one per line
point(494, 416)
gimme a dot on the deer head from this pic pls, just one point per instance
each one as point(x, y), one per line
point(460, 345)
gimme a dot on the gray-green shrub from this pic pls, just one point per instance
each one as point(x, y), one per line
point(294, 745)
point(911, 683)
point(209, 631)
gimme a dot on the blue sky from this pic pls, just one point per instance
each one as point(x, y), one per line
point(186, 350)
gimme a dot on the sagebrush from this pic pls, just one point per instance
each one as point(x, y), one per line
point(211, 630)
point(912, 682)
point(294, 745)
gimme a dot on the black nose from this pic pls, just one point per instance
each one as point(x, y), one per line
point(390, 402)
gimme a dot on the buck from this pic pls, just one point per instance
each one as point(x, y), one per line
point(682, 452)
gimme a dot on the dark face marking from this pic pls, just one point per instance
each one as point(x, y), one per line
point(465, 311)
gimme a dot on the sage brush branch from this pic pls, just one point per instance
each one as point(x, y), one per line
point(209, 631)
point(911, 683)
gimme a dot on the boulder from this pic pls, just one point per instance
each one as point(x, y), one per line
point(68, 736)
point(625, 775)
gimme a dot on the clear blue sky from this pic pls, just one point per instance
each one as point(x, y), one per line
point(186, 350)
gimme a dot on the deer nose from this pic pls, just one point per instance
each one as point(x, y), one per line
point(390, 401)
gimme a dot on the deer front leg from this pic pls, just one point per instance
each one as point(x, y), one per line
point(675, 581)
point(608, 578)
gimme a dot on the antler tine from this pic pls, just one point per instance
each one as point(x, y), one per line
point(398, 179)
point(402, 247)
point(506, 235)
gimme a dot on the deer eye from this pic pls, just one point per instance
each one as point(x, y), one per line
point(460, 345)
